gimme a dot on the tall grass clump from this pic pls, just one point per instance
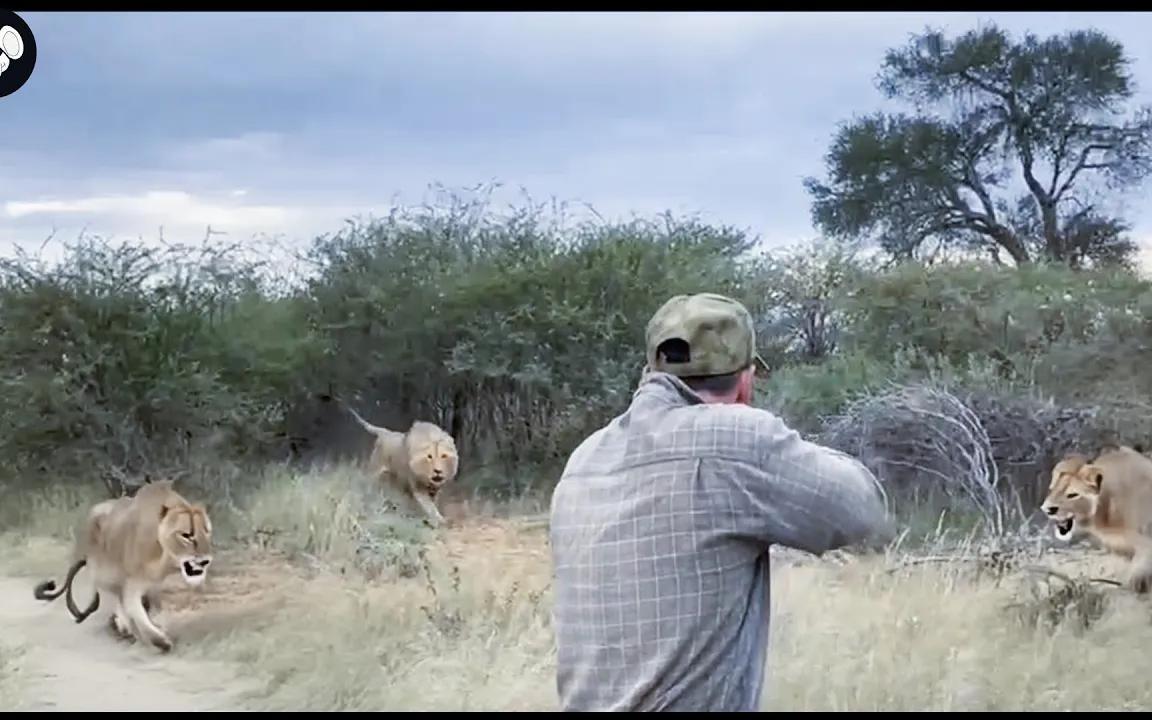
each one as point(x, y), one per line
point(974, 650)
point(333, 518)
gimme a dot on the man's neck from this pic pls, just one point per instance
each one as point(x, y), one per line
point(712, 399)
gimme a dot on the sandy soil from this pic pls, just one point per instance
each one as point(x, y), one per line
point(82, 667)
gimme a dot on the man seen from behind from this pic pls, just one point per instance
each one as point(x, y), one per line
point(662, 520)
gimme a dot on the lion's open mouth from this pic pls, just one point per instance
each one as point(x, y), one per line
point(1064, 527)
point(192, 569)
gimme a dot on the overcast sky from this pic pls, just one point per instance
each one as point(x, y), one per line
point(288, 123)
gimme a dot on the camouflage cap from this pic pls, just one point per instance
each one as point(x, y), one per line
point(716, 336)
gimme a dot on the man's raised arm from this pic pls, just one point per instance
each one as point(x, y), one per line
point(810, 497)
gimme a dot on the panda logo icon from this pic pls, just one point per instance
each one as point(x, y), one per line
point(17, 52)
point(11, 46)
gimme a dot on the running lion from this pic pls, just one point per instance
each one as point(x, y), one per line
point(131, 544)
point(419, 462)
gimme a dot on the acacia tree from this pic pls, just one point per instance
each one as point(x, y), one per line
point(1011, 151)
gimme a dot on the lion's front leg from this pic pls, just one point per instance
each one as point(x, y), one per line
point(427, 505)
point(386, 479)
point(1140, 570)
point(152, 603)
point(118, 620)
point(142, 625)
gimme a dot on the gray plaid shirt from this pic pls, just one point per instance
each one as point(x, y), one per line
point(660, 528)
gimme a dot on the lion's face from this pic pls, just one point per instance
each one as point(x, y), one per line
point(186, 535)
point(432, 457)
point(1072, 495)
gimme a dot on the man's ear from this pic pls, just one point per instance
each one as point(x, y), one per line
point(747, 385)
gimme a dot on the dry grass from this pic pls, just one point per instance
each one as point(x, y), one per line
point(332, 519)
point(939, 638)
point(469, 632)
point(37, 528)
point(336, 603)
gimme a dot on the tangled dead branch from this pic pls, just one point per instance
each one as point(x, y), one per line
point(991, 450)
point(1074, 600)
point(920, 432)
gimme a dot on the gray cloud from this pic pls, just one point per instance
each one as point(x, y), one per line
point(134, 119)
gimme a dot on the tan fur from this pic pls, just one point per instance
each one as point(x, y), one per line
point(419, 462)
point(131, 545)
point(1109, 500)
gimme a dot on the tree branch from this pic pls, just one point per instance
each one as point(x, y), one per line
point(1005, 95)
point(972, 182)
point(1081, 165)
point(1043, 199)
point(1058, 157)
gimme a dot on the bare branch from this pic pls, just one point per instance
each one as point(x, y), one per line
point(1081, 165)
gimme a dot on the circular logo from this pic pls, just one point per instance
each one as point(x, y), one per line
point(17, 52)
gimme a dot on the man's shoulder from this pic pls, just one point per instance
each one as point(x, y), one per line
point(735, 418)
point(724, 418)
point(739, 413)
point(591, 447)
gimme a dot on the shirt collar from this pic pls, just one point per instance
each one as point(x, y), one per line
point(667, 388)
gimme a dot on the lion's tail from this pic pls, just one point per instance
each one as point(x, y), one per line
point(48, 592)
point(374, 429)
point(93, 606)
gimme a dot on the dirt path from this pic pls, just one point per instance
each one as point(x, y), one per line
point(70, 667)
